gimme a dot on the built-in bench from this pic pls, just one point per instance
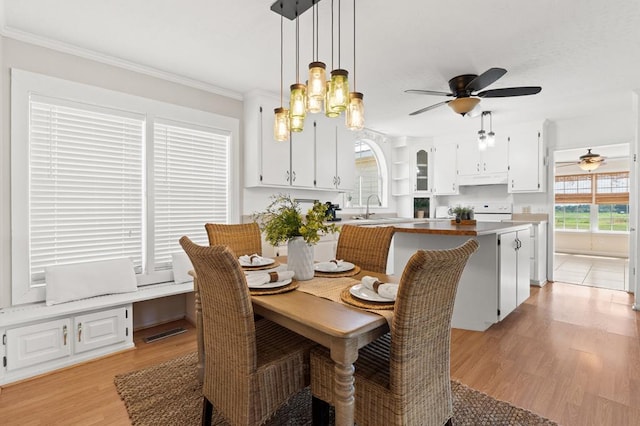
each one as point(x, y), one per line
point(38, 338)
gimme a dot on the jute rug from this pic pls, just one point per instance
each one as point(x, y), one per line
point(169, 394)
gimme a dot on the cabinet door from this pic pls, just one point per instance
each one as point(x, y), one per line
point(524, 265)
point(508, 261)
point(35, 344)
point(345, 158)
point(326, 155)
point(421, 171)
point(468, 158)
point(525, 162)
point(99, 329)
point(496, 159)
point(444, 168)
point(274, 156)
point(302, 156)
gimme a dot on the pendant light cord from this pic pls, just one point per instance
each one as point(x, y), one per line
point(339, 39)
point(297, 49)
point(281, 54)
point(354, 46)
point(332, 31)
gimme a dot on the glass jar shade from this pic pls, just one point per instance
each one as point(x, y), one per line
point(316, 85)
point(298, 101)
point(355, 111)
point(296, 124)
point(314, 105)
point(491, 139)
point(281, 124)
point(330, 111)
point(338, 93)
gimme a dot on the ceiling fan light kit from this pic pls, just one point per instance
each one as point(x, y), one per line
point(334, 93)
point(463, 105)
point(466, 88)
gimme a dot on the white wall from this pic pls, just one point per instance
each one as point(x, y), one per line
point(594, 244)
point(46, 61)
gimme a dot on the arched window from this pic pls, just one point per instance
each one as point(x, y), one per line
point(370, 174)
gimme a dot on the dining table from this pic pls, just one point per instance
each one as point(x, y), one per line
point(338, 326)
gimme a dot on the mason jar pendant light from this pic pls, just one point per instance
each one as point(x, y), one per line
point(317, 82)
point(338, 90)
point(298, 99)
point(355, 108)
point(482, 136)
point(281, 122)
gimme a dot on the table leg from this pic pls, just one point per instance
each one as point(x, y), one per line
point(344, 353)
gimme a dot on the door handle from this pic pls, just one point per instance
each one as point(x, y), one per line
point(64, 335)
point(79, 332)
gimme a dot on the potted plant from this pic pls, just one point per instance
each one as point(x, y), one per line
point(462, 213)
point(283, 221)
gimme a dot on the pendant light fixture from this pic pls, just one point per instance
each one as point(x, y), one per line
point(317, 82)
point(482, 136)
point(491, 137)
point(298, 98)
point(281, 122)
point(338, 90)
point(355, 108)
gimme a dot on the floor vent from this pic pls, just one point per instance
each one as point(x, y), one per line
point(164, 335)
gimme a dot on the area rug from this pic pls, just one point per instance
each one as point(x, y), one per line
point(169, 394)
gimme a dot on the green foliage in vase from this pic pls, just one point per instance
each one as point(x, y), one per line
point(283, 220)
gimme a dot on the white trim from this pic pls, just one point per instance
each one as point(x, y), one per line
point(26, 37)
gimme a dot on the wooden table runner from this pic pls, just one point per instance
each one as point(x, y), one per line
point(330, 288)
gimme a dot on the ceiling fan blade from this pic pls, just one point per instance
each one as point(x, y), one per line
point(428, 92)
point(485, 79)
point(510, 91)
point(425, 109)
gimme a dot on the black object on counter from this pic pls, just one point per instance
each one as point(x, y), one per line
point(331, 212)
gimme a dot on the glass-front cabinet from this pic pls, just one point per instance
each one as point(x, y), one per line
point(422, 171)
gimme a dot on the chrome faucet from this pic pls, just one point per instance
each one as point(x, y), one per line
point(367, 214)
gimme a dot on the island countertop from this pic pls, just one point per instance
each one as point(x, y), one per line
point(444, 227)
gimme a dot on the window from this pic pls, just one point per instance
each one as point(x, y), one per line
point(369, 179)
point(191, 178)
point(98, 175)
point(592, 202)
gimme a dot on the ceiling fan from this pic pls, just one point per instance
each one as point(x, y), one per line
point(588, 162)
point(464, 88)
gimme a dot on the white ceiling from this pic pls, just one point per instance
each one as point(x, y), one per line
point(584, 53)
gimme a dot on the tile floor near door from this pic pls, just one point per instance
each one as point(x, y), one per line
point(592, 271)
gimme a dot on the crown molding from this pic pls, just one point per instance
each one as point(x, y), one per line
point(115, 61)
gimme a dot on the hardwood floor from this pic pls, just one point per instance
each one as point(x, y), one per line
point(570, 353)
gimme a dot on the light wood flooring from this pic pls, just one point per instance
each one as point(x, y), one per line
point(570, 353)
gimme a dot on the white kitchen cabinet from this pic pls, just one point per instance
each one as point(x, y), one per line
point(486, 167)
point(445, 177)
point(302, 159)
point(48, 344)
point(526, 160)
point(513, 268)
point(538, 254)
point(334, 155)
point(422, 170)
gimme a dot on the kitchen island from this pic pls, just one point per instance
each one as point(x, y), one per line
point(496, 278)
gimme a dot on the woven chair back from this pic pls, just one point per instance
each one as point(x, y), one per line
point(421, 330)
point(242, 238)
point(367, 247)
point(227, 313)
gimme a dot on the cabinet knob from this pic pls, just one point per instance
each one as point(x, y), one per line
point(64, 335)
point(79, 332)
point(288, 176)
point(294, 176)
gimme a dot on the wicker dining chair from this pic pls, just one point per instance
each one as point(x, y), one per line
point(403, 378)
point(242, 238)
point(251, 368)
point(367, 247)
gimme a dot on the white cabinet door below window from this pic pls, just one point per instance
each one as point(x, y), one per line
point(38, 343)
point(99, 329)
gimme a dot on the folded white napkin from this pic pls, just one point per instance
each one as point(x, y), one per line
point(262, 278)
point(386, 290)
point(332, 265)
point(251, 259)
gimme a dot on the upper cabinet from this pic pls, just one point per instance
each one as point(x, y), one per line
point(445, 176)
point(322, 156)
point(527, 163)
point(421, 171)
point(485, 167)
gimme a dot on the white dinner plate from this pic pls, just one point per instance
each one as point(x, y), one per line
point(361, 292)
point(275, 284)
point(326, 267)
point(262, 262)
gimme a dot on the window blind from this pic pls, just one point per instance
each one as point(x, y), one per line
point(191, 185)
point(85, 200)
point(573, 189)
point(612, 188)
